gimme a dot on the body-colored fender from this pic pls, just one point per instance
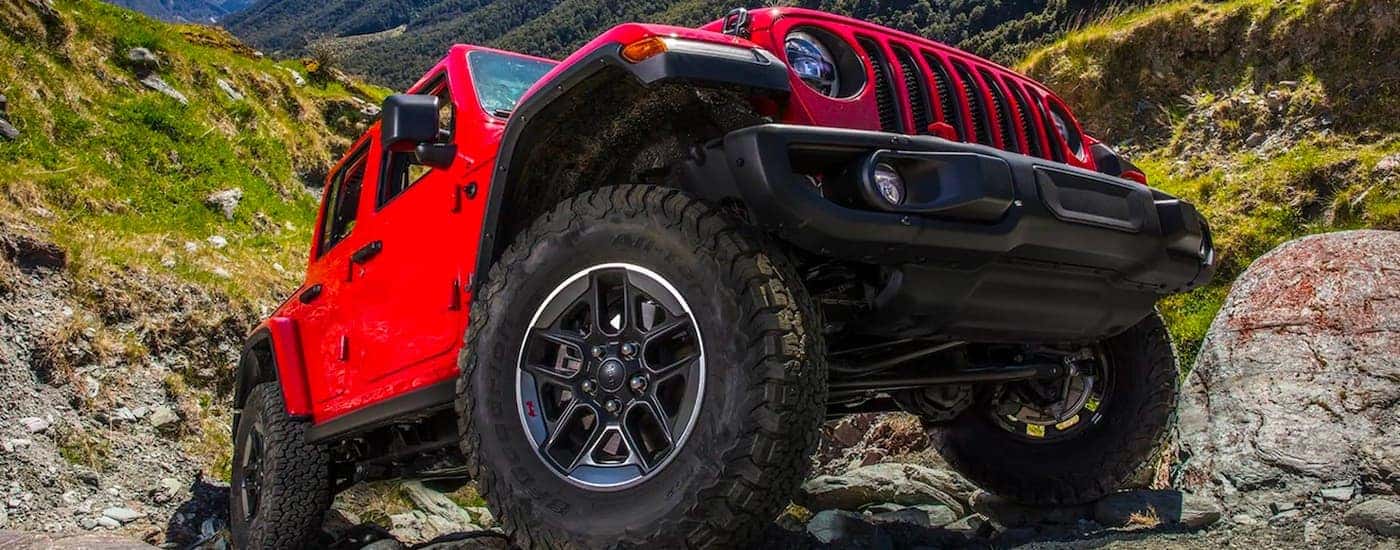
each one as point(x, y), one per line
point(272, 352)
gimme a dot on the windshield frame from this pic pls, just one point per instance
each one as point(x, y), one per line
point(476, 90)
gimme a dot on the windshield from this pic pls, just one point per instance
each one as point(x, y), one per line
point(500, 79)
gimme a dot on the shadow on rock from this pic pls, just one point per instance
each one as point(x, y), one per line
point(201, 521)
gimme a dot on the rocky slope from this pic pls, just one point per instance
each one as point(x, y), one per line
point(154, 204)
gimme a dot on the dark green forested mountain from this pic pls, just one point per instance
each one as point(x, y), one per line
point(185, 11)
point(393, 41)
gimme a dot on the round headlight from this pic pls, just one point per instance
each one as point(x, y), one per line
point(813, 63)
point(889, 183)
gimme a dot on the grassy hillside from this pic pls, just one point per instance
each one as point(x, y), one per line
point(1278, 118)
point(1002, 29)
point(118, 173)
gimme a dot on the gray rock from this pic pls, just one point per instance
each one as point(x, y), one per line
point(34, 424)
point(1294, 388)
point(225, 201)
point(971, 525)
point(890, 482)
point(7, 130)
point(296, 77)
point(1170, 507)
point(848, 529)
point(142, 59)
point(1340, 494)
point(121, 514)
point(155, 82)
point(1010, 514)
point(169, 490)
point(437, 505)
point(482, 516)
point(162, 416)
point(1390, 163)
point(228, 89)
point(217, 242)
point(1379, 515)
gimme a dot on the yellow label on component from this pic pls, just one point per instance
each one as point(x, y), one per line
point(1092, 404)
point(1067, 424)
point(1034, 430)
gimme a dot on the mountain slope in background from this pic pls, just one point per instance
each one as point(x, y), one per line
point(124, 295)
point(1277, 118)
point(1002, 29)
point(185, 11)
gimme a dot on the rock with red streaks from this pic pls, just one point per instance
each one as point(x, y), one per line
point(1297, 388)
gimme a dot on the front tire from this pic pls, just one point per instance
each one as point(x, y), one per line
point(280, 488)
point(1112, 437)
point(735, 461)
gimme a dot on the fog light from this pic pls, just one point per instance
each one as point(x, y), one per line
point(889, 184)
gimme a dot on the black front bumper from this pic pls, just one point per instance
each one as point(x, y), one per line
point(988, 244)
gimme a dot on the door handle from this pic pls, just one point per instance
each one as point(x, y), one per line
point(367, 252)
point(311, 293)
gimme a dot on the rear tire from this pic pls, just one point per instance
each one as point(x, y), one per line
point(759, 409)
point(1125, 435)
point(289, 478)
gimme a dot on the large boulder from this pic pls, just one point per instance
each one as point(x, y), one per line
point(1296, 386)
point(906, 484)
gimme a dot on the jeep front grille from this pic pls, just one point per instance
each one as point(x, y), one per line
point(916, 85)
point(884, 91)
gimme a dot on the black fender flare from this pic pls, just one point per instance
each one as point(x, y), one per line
point(766, 75)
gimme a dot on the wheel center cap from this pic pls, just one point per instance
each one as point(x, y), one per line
point(611, 375)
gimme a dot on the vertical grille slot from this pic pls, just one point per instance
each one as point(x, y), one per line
point(1025, 118)
point(952, 112)
point(980, 127)
point(890, 119)
point(917, 89)
point(1003, 114)
point(1052, 136)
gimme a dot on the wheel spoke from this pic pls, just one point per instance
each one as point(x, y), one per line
point(634, 450)
point(567, 338)
point(585, 454)
point(551, 375)
point(659, 413)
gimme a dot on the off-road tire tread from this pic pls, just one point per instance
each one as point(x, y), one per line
point(785, 364)
point(295, 503)
point(1148, 347)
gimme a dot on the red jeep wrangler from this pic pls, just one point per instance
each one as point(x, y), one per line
point(623, 291)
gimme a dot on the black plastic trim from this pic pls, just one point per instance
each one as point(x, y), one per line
point(1134, 246)
point(409, 405)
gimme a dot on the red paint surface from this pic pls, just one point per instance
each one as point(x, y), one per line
point(392, 325)
point(291, 368)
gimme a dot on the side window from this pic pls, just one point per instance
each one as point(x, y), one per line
point(341, 201)
point(401, 168)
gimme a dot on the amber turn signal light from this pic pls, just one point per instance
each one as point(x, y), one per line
point(643, 49)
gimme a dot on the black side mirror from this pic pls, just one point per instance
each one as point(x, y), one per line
point(409, 120)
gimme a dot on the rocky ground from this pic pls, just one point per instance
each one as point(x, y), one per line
point(1287, 434)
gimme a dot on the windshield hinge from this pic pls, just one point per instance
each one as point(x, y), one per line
point(737, 23)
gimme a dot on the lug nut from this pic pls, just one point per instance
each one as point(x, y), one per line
point(629, 348)
point(588, 386)
point(612, 405)
point(597, 352)
point(638, 383)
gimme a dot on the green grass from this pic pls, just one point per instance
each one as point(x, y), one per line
point(118, 173)
point(1181, 86)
